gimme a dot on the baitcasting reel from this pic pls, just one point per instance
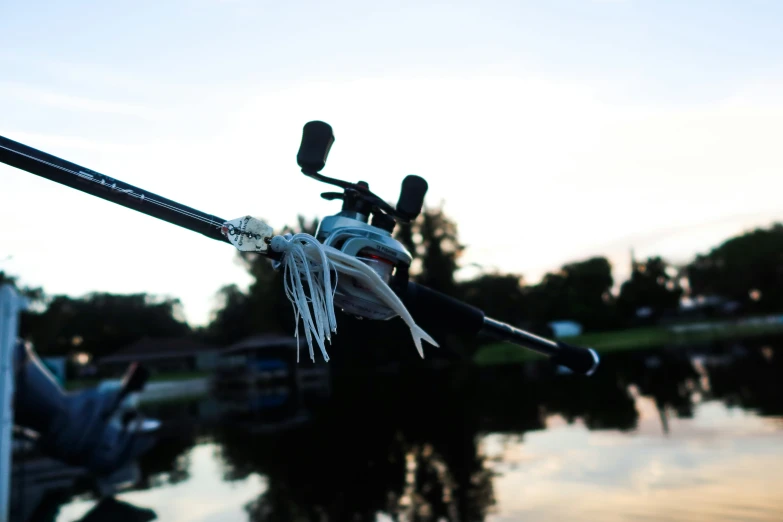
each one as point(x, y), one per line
point(363, 228)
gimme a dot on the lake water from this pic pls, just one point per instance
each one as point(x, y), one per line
point(692, 435)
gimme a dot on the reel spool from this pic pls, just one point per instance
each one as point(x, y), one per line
point(363, 228)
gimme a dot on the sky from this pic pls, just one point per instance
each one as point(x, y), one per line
point(550, 131)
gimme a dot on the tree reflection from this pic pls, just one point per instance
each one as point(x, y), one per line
point(168, 462)
point(406, 444)
point(748, 375)
point(404, 447)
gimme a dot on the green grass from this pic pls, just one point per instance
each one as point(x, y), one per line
point(632, 339)
point(176, 376)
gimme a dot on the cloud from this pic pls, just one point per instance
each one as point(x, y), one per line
point(36, 95)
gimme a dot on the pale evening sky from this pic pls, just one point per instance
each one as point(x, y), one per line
point(552, 131)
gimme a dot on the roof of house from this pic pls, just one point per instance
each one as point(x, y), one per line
point(262, 341)
point(158, 348)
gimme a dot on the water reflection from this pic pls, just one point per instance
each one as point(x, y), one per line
point(398, 446)
point(654, 434)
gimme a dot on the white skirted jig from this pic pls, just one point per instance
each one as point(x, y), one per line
point(304, 257)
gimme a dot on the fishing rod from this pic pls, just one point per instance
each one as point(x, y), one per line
point(352, 263)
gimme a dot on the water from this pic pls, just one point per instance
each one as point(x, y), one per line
point(657, 435)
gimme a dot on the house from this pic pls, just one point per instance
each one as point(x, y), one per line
point(261, 374)
point(704, 306)
point(562, 329)
point(161, 355)
point(266, 360)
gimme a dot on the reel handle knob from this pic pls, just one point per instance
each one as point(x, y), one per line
point(412, 193)
point(317, 140)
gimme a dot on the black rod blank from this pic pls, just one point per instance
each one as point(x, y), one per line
point(85, 180)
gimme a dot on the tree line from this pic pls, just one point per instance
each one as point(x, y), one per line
point(746, 270)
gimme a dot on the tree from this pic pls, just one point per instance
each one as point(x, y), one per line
point(501, 296)
point(746, 268)
point(650, 286)
point(580, 292)
point(101, 323)
point(433, 240)
point(33, 294)
point(548, 301)
point(230, 320)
